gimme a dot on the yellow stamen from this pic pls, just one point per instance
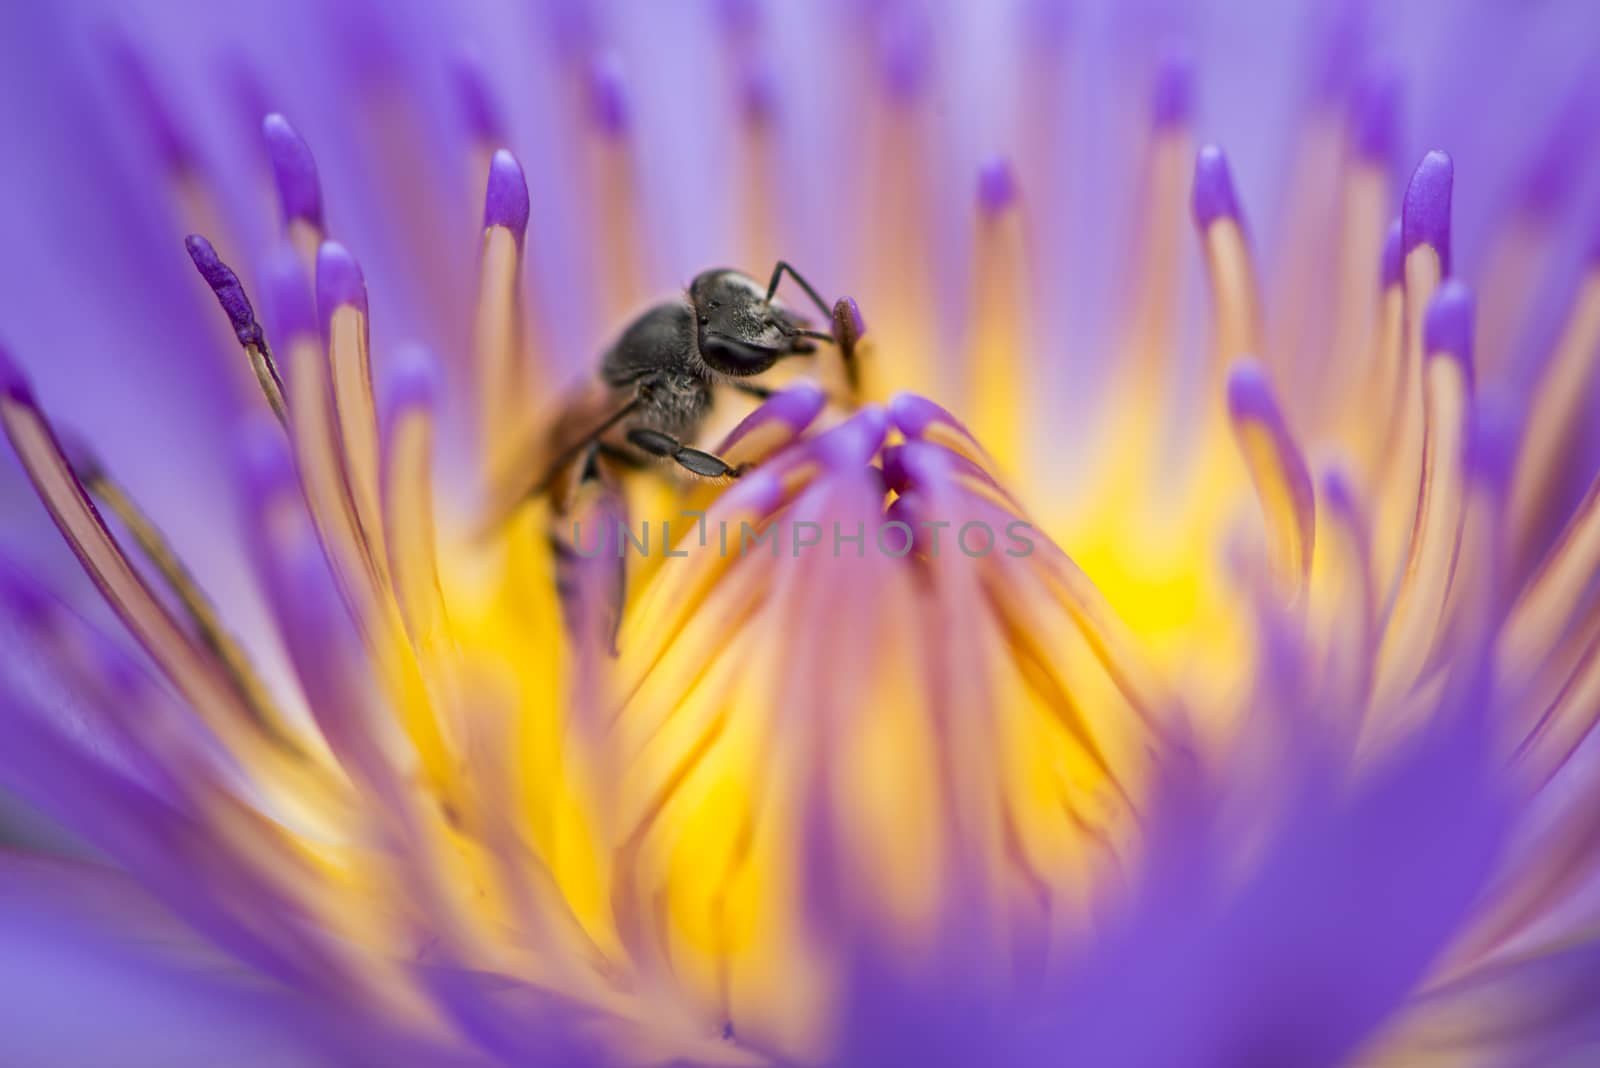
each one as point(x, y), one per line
point(1398, 507)
point(197, 673)
point(1308, 230)
point(1283, 486)
point(1559, 404)
point(208, 626)
point(1551, 599)
point(999, 399)
point(1354, 348)
point(1235, 298)
point(356, 411)
point(1415, 622)
point(498, 337)
point(409, 496)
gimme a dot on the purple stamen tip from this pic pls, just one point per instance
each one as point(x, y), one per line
point(1214, 197)
point(339, 280)
point(1250, 392)
point(904, 49)
point(608, 96)
point(293, 170)
point(416, 380)
point(1447, 324)
point(853, 442)
point(760, 491)
point(288, 295)
point(921, 465)
point(759, 94)
point(506, 203)
point(225, 284)
point(1495, 439)
point(1342, 41)
point(1375, 118)
point(1173, 104)
point(13, 383)
point(997, 185)
point(1338, 490)
point(479, 110)
point(796, 405)
point(858, 325)
point(1394, 260)
point(914, 413)
point(1427, 207)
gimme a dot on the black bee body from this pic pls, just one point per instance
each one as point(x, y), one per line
point(656, 361)
point(667, 362)
point(657, 383)
point(655, 387)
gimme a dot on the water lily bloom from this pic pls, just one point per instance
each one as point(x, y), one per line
point(1146, 617)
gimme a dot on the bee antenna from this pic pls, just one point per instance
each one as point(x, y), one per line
point(778, 272)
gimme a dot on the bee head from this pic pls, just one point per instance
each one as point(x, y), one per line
point(739, 332)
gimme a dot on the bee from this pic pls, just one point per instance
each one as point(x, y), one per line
point(656, 383)
point(655, 388)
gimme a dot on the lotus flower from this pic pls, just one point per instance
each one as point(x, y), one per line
point(1154, 626)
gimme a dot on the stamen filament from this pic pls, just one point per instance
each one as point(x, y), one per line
point(1235, 299)
point(499, 331)
point(1282, 480)
point(999, 405)
point(1559, 402)
point(1416, 620)
point(408, 491)
point(195, 604)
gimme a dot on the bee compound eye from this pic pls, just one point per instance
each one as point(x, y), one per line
point(736, 357)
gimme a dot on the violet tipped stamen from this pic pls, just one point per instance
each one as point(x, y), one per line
point(410, 426)
point(1426, 218)
point(476, 101)
point(231, 295)
point(1447, 329)
point(289, 299)
point(1278, 468)
point(340, 283)
point(1172, 103)
point(1214, 197)
point(608, 96)
point(1392, 270)
point(294, 171)
point(997, 185)
point(506, 201)
point(1375, 120)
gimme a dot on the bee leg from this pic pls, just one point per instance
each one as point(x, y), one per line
point(621, 457)
point(846, 327)
point(695, 461)
point(777, 276)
